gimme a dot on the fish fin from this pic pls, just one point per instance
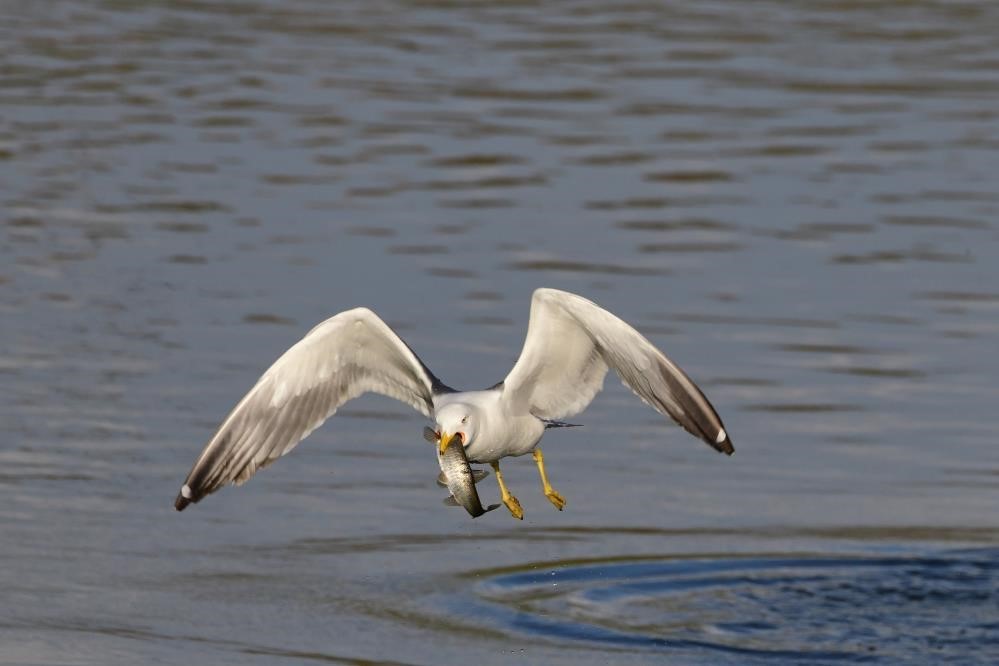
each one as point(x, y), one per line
point(430, 435)
point(477, 475)
point(451, 501)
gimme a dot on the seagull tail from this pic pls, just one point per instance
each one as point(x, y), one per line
point(549, 423)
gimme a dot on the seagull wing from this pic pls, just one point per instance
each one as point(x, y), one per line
point(349, 354)
point(572, 342)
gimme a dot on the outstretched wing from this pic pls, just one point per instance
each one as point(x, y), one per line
point(349, 354)
point(571, 342)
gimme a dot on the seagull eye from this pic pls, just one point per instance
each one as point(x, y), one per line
point(464, 419)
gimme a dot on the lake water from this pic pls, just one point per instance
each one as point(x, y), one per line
point(798, 202)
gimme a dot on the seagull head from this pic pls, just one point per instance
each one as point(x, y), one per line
point(456, 422)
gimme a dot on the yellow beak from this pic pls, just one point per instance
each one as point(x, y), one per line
point(445, 441)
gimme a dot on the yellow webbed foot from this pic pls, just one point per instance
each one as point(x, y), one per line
point(509, 500)
point(555, 498)
point(513, 505)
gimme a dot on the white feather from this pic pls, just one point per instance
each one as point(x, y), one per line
point(572, 342)
point(349, 354)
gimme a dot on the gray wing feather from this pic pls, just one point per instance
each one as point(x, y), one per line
point(572, 342)
point(349, 354)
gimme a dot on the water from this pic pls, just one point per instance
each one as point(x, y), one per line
point(797, 202)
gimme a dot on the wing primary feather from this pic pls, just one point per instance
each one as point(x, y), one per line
point(698, 417)
point(240, 466)
point(351, 353)
point(571, 343)
point(195, 480)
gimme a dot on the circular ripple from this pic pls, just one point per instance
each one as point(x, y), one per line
point(873, 608)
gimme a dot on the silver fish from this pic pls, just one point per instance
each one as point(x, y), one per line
point(458, 477)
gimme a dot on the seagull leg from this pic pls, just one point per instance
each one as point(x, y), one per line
point(550, 492)
point(509, 500)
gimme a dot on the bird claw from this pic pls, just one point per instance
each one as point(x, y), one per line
point(555, 499)
point(513, 505)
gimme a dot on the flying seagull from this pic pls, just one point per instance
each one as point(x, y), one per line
point(571, 343)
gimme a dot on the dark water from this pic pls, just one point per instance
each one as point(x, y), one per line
point(796, 608)
point(797, 201)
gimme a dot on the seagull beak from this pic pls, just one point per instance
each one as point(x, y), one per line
point(445, 441)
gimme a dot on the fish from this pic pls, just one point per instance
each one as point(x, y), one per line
point(458, 477)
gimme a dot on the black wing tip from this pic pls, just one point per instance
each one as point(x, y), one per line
point(184, 498)
point(723, 444)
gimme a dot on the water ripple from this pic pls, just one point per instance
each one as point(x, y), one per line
point(867, 607)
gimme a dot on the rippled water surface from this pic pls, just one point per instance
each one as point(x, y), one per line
point(798, 202)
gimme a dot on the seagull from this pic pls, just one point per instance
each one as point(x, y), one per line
point(571, 343)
